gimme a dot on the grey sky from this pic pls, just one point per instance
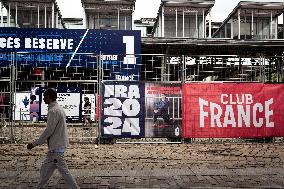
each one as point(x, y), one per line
point(149, 8)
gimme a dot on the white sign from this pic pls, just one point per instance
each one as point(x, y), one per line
point(22, 106)
point(70, 102)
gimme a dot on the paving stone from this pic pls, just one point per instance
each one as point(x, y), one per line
point(220, 165)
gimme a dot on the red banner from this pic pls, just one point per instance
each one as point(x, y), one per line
point(231, 110)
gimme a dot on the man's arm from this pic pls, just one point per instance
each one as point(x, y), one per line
point(52, 120)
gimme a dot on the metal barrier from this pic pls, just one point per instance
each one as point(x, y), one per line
point(18, 76)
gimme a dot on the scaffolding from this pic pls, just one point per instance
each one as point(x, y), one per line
point(18, 76)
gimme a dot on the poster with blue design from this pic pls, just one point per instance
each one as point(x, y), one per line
point(65, 48)
point(122, 110)
point(22, 106)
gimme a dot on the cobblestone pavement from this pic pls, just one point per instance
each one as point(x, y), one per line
point(196, 165)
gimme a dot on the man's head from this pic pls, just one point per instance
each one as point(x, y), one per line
point(163, 96)
point(49, 96)
point(86, 99)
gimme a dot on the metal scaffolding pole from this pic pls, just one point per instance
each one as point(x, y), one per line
point(210, 25)
point(271, 25)
point(203, 24)
point(52, 16)
point(16, 15)
point(56, 19)
point(2, 19)
point(176, 23)
point(239, 24)
point(125, 28)
point(45, 25)
point(98, 21)
point(38, 16)
point(252, 32)
point(8, 15)
point(163, 22)
point(118, 18)
point(132, 22)
point(245, 33)
point(232, 29)
point(226, 34)
point(84, 18)
point(276, 28)
point(196, 24)
point(93, 21)
point(159, 29)
point(12, 95)
point(182, 22)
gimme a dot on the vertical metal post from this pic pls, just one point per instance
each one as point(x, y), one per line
point(56, 19)
point(271, 25)
point(31, 16)
point(118, 19)
point(252, 32)
point(100, 82)
point(94, 21)
point(239, 24)
point(42, 77)
point(210, 25)
point(203, 24)
point(16, 15)
point(10, 103)
point(164, 74)
point(12, 95)
point(232, 29)
point(2, 18)
point(132, 22)
point(196, 24)
point(183, 69)
point(225, 28)
point(45, 25)
point(38, 16)
point(52, 16)
point(276, 27)
point(84, 18)
point(92, 24)
point(263, 69)
point(245, 33)
point(262, 28)
point(176, 22)
point(159, 28)
point(125, 28)
point(8, 15)
point(163, 22)
point(182, 22)
point(98, 20)
point(49, 21)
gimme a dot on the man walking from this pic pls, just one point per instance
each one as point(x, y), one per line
point(56, 137)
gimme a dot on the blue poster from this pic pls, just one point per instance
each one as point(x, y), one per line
point(122, 113)
point(66, 48)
